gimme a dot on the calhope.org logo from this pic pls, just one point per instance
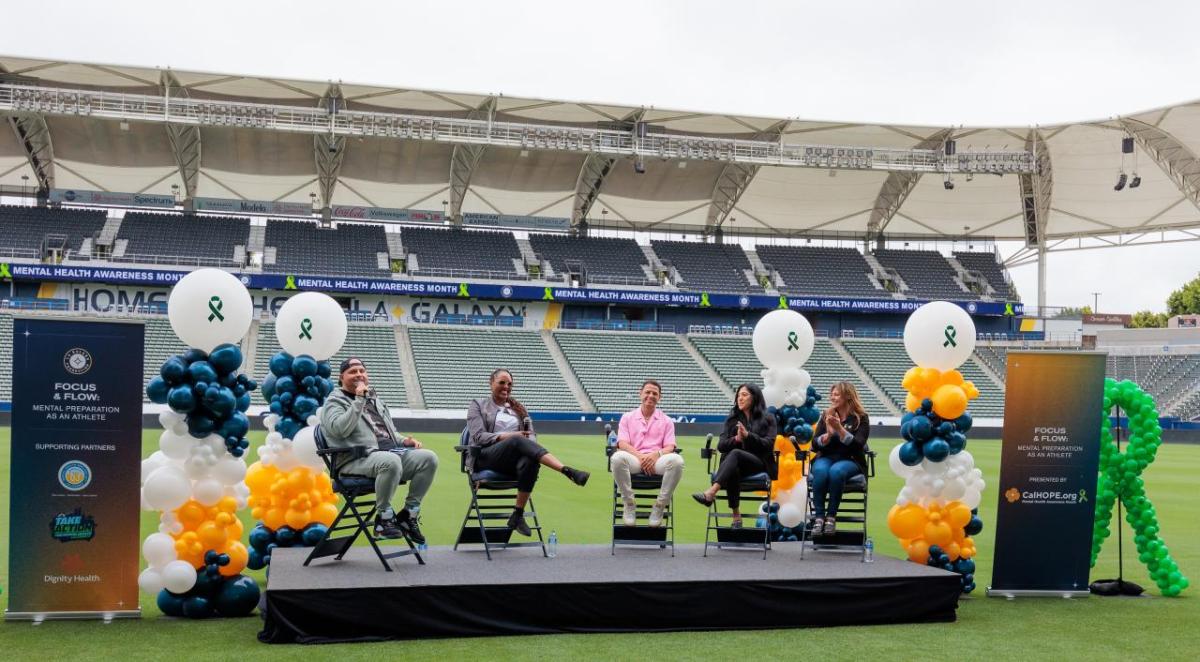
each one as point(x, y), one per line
point(74, 475)
point(1013, 495)
point(77, 360)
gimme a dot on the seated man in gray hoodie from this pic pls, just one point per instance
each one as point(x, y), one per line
point(354, 416)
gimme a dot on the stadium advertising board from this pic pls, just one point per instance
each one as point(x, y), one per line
point(265, 207)
point(386, 214)
point(500, 291)
point(110, 199)
point(76, 448)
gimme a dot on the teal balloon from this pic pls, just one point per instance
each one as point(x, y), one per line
point(910, 454)
point(157, 390)
point(281, 364)
point(237, 596)
point(226, 358)
point(181, 399)
point(323, 369)
point(170, 603)
point(202, 371)
point(197, 607)
point(304, 366)
point(936, 449)
point(174, 370)
point(268, 387)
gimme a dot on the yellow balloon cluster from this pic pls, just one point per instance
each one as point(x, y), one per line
point(919, 528)
point(948, 390)
point(791, 470)
point(294, 498)
point(215, 528)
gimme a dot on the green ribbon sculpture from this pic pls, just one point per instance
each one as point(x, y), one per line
point(1120, 476)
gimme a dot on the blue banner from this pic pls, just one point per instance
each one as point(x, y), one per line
point(500, 291)
point(76, 451)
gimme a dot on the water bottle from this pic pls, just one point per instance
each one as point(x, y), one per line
point(869, 551)
point(552, 544)
point(423, 547)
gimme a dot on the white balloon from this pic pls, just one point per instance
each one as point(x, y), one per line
point(285, 460)
point(954, 490)
point(792, 379)
point(972, 498)
point(933, 468)
point(175, 446)
point(209, 307)
point(167, 488)
point(171, 419)
point(939, 335)
point(230, 470)
point(783, 338)
point(311, 323)
point(178, 576)
point(156, 460)
point(899, 468)
point(774, 396)
point(150, 581)
point(159, 550)
point(799, 495)
point(790, 515)
point(208, 491)
point(304, 447)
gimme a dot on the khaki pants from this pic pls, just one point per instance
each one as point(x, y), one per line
point(417, 466)
point(669, 466)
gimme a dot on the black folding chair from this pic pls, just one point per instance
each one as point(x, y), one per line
point(645, 492)
point(752, 537)
point(359, 495)
point(852, 511)
point(496, 502)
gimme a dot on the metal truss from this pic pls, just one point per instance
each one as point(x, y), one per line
point(329, 149)
point(595, 169)
point(1176, 160)
point(898, 185)
point(610, 141)
point(34, 136)
point(1036, 190)
point(464, 158)
point(184, 138)
point(733, 181)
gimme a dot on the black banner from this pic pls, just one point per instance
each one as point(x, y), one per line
point(1048, 465)
point(76, 451)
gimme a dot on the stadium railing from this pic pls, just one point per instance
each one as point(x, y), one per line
point(615, 325)
point(35, 304)
point(468, 273)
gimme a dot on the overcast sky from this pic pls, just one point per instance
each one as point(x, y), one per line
point(918, 62)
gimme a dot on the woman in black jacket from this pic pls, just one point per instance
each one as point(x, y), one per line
point(840, 442)
point(747, 447)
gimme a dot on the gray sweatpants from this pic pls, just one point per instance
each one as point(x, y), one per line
point(416, 466)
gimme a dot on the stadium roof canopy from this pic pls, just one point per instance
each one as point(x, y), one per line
point(146, 129)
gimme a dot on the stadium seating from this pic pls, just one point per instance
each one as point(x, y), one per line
point(821, 270)
point(202, 239)
point(24, 229)
point(374, 344)
point(1166, 376)
point(461, 253)
point(612, 366)
point(733, 358)
point(927, 273)
point(301, 247)
point(986, 264)
point(707, 267)
point(605, 259)
point(6, 349)
point(995, 357)
point(1188, 408)
point(454, 365)
point(160, 344)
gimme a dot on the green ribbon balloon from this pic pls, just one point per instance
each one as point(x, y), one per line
point(704, 300)
point(290, 284)
point(214, 309)
point(4, 272)
point(547, 294)
point(462, 290)
point(951, 333)
point(306, 329)
point(1120, 477)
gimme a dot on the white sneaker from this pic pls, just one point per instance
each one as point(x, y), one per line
point(629, 517)
point(656, 514)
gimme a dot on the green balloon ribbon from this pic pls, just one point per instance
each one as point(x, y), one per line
point(214, 309)
point(306, 329)
point(1121, 476)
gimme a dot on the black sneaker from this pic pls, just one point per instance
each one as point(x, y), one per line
point(411, 526)
point(387, 528)
point(577, 476)
point(516, 522)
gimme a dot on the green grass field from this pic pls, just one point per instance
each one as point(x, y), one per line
point(1052, 629)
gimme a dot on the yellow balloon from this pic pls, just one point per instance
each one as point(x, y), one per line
point(952, 377)
point(918, 551)
point(906, 521)
point(949, 401)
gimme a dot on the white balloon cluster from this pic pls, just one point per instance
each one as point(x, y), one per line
point(937, 483)
point(183, 468)
point(287, 454)
point(793, 504)
point(783, 340)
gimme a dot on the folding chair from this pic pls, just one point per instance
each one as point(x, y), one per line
point(751, 537)
point(852, 511)
point(359, 494)
point(646, 489)
point(497, 503)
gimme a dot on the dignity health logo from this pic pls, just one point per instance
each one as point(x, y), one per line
point(74, 475)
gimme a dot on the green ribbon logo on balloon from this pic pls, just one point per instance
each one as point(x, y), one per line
point(214, 309)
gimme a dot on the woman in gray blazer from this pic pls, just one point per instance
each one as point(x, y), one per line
point(501, 427)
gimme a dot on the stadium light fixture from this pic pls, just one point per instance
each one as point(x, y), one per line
point(948, 184)
point(1121, 182)
point(1136, 181)
point(639, 166)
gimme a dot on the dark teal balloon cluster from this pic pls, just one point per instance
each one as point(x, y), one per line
point(964, 567)
point(213, 595)
point(263, 541)
point(1120, 476)
point(927, 436)
point(210, 391)
point(296, 388)
point(779, 532)
point(798, 422)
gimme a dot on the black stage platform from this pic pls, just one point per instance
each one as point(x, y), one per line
point(586, 589)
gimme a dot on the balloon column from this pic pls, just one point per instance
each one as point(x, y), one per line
point(783, 340)
point(195, 477)
point(936, 512)
point(1120, 475)
point(290, 492)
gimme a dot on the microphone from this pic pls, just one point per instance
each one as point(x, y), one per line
point(527, 424)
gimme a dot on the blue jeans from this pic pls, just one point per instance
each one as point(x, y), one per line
point(828, 478)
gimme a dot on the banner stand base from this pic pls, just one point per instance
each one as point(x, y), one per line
point(1111, 587)
point(37, 617)
point(1011, 593)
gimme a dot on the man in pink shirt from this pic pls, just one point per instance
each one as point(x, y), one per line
point(646, 445)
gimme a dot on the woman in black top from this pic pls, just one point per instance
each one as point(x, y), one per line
point(747, 447)
point(840, 442)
